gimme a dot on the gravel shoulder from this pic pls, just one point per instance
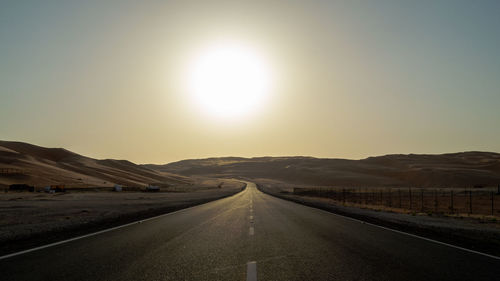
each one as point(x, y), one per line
point(31, 219)
point(470, 233)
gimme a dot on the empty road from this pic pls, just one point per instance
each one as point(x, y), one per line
point(250, 236)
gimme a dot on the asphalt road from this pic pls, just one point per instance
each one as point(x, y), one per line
point(250, 236)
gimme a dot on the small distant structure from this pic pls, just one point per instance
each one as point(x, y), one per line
point(10, 171)
point(55, 188)
point(117, 188)
point(152, 188)
point(59, 187)
point(21, 187)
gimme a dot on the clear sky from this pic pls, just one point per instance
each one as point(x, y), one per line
point(350, 79)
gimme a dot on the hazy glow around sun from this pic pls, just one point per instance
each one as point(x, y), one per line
point(229, 79)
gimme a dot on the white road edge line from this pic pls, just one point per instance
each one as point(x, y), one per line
point(252, 271)
point(400, 232)
point(106, 230)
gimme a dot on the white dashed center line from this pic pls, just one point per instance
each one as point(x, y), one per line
point(251, 231)
point(252, 271)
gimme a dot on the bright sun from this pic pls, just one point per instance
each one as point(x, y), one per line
point(229, 80)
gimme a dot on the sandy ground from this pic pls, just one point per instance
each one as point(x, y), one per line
point(24, 163)
point(31, 218)
point(458, 170)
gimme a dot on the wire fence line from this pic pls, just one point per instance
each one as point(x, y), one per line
point(439, 201)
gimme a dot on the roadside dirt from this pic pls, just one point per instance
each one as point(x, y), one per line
point(31, 219)
point(472, 233)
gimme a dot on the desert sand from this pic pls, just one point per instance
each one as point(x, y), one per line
point(459, 170)
point(40, 166)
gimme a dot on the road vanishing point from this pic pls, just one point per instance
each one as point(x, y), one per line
point(249, 236)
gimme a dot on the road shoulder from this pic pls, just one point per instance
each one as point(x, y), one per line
point(460, 232)
point(107, 214)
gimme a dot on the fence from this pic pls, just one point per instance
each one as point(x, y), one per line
point(440, 201)
point(10, 171)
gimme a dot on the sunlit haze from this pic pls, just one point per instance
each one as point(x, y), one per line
point(228, 80)
point(160, 81)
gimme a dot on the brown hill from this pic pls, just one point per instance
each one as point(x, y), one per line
point(463, 169)
point(26, 163)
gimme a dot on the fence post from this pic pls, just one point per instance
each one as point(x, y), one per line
point(435, 201)
point(399, 196)
point(470, 201)
point(390, 197)
point(451, 200)
point(422, 200)
point(492, 200)
point(409, 192)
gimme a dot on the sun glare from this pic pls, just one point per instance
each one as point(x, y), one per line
point(229, 80)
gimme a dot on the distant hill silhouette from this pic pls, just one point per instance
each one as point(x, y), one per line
point(40, 166)
point(464, 169)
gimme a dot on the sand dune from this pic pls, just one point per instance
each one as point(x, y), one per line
point(42, 166)
point(463, 169)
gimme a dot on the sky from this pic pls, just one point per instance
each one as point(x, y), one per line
point(350, 79)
